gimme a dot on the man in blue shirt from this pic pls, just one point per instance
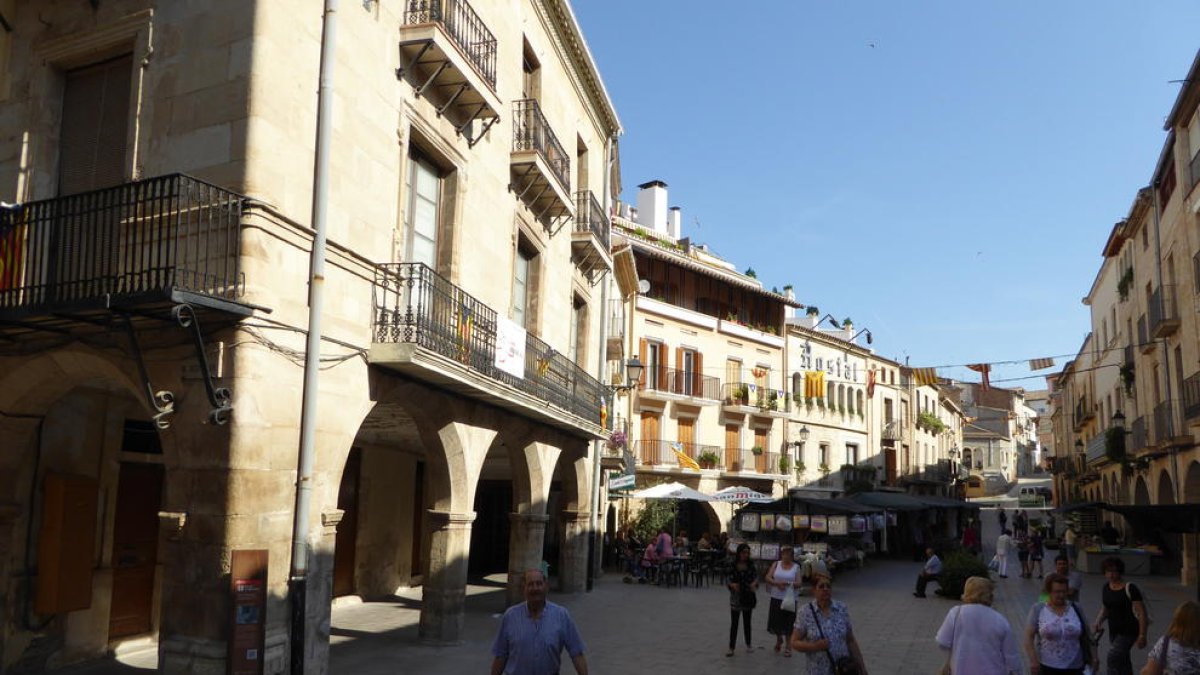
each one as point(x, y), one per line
point(933, 568)
point(533, 634)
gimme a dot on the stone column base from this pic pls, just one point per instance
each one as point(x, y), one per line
point(526, 541)
point(444, 592)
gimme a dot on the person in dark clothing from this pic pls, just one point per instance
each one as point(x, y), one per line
point(743, 582)
point(1109, 534)
point(1125, 611)
point(1003, 518)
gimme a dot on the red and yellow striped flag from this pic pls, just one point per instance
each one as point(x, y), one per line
point(925, 377)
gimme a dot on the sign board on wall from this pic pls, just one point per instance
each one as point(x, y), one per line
point(247, 634)
point(510, 347)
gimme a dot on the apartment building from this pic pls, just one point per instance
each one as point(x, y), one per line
point(1130, 402)
point(712, 402)
point(154, 308)
point(1000, 435)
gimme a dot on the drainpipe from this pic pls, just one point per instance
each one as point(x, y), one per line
point(298, 578)
point(1166, 353)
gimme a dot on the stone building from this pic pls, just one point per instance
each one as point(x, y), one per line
point(1127, 408)
point(153, 315)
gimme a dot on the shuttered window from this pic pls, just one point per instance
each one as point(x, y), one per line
point(424, 191)
point(95, 122)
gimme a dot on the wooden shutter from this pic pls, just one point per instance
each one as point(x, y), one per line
point(95, 122)
point(677, 385)
point(642, 355)
point(662, 366)
point(696, 386)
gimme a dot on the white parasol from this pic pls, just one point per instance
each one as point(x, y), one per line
point(671, 491)
point(741, 494)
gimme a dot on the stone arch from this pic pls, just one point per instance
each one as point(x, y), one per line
point(1141, 492)
point(1191, 485)
point(1166, 489)
point(797, 383)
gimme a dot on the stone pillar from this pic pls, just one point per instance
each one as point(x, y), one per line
point(573, 552)
point(526, 540)
point(445, 589)
point(1187, 570)
point(9, 513)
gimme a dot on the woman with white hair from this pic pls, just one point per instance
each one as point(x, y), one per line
point(979, 639)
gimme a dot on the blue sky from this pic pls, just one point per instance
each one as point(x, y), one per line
point(950, 188)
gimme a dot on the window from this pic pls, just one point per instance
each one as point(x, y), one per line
point(95, 121)
point(655, 365)
point(733, 371)
point(531, 73)
point(424, 186)
point(824, 454)
point(579, 330)
point(523, 286)
point(688, 364)
point(851, 453)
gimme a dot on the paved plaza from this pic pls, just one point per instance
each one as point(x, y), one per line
point(632, 628)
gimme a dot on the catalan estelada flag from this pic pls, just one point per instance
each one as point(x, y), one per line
point(925, 377)
point(11, 240)
point(466, 322)
point(983, 369)
point(684, 461)
point(814, 383)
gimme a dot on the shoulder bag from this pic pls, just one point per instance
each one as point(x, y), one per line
point(846, 665)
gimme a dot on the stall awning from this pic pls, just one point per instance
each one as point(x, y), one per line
point(1079, 506)
point(892, 501)
point(1183, 518)
point(946, 502)
point(814, 506)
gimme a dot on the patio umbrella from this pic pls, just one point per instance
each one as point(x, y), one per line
point(671, 491)
point(741, 494)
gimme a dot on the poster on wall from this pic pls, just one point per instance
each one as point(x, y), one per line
point(819, 524)
point(770, 551)
point(755, 550)
point(877, 521)
point(510, 347)
point(858, 524)
point(838, 525)
point(800, 521)
point(766, 522)
point(749, 522)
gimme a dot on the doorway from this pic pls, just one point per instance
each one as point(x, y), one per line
point(346, 538)
point(135, 549)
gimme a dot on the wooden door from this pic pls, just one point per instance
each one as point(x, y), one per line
point(733, 449)
point(135, 549)
point(889, 455)
point(650, 438)
point(346, 539)
point(762, 459)
point(687, 436)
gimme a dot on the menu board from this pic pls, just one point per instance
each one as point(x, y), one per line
point(800, 521)
point(838, 525)
point(766, 522)
point(819, 524)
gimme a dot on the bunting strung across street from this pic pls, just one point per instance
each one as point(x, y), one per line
point(983, 369)
point(871, 383)
point(814, 383)
point(1040, 364)
point(925, 377)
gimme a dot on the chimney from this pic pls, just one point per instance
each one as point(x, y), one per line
point(790, 294)
point(652, 206)
point(674, 222)
point(848, 329)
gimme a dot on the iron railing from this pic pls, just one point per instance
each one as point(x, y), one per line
point(1138, 436)
point(1191, 396)
point(1164, 421)
point(753, 396)
point(532, 132)
point(1163, 310)
point(463, 26)
point(413, 304)
point(661, 452)
point(1096, 447)
point(683, 383)
point(745, 459)
point(147, 237)
point(590, 217)
point(1143, 332)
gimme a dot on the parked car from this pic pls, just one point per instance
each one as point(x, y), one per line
point(1030, 495)
point(985, 485)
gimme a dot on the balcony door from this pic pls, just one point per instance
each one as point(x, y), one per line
point(687, 436)
point(650, 438)
point(687, 379)
point(423, 187)
point(733, 447)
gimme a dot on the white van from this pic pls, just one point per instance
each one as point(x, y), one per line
point(1033, 496)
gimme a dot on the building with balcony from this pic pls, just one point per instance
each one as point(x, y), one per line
point(154, 276)
point(1000, 433)
point(711, 408)
point(1128, 406)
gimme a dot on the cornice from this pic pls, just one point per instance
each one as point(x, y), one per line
point(569, 41)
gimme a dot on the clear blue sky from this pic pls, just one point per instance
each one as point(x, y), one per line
point(949, 188)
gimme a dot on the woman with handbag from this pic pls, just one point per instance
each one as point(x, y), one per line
point(782, 579)
point(1056, 634)
point(743, 582)
point(979, 639)
point(823, 631)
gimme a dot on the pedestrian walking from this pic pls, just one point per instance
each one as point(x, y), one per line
point(930, 572)
point(782, 580)
point(1003, 546)
point(1178, 652)
point(1037, 550)
point(1002, 517)
point(1069, 542)
point(1062, 567)
point(970, 539)
point(1021, 522)
point(534, 633)
point(743, 582)
point(980, 639)
point(1125, 611)
point(1056, 635)
point(823, 631)
point(1022, 541)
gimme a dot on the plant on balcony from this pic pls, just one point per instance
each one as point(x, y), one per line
point(847, 322)
point(751, 273)
point(708, 459)
point(821, 402)
point(785, 464)
point(1127, 375)
point(1125, 284)
point(841, 409)
point(808, 402)
point(757, 450)
point(618, 440)
point(930, 422)
point(800, 468)
point(742, 394)
point(1114, 444)
point(824, 469)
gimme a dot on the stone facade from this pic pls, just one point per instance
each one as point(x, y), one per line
point(477, 129)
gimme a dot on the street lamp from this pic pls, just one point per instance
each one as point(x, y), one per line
point(801, 436)
point(633, 375)
point(870, 340)
point(1118, 420)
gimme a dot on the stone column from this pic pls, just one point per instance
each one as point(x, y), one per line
point(573, 552)
point(9, 513)
point(445, 589)
point(526, 540)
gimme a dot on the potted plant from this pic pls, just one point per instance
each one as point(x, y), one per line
point(824, 469)
point(812, 310)
point(1125, 284)
point(708, 459)
point(742, 395)
point(618, 440)
point(785, 464)
point(821, 402)
point(757, 450)
point(808, 402)
point(800, 468)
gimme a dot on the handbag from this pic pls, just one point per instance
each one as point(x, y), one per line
point(845, 665)
point(788, 604)
point(994, 565)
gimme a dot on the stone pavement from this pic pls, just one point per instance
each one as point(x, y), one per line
point(631, 628)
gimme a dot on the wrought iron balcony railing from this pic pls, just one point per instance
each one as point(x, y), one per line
point(413, 304)
point(1164, 422)
point(1164, 315)
point(463, 26)
point(590, 217)
point(140, 240)
point(616, 318)
point(754, 396)
point(745, 459)
point(531, 131)
point(661, 452)
point(1138, 437)
point(1096, 446)
point(1143, 334)
point(682, 383)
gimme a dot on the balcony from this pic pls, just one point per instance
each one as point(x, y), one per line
point(1143, 331)
point(1096, 448)
point(745, 460)
point(540, 167)
point(748, 398)
point(1168, 432)
point(589, 236)
point(661, 452)
point(1138, 436)
point(138, 249)
point(1194, 170)
point(1164, 314)
point(448, 55)
point(669, 384)
point(432, 330)
point(615, 330)
point(1191, 397)
point(1083, 414)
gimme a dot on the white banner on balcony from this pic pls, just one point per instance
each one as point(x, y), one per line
point(510, 347)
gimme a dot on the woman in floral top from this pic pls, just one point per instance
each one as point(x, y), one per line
point(823, 630)
point(1178, 652)
point(743, 582)
point(1056, 634)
